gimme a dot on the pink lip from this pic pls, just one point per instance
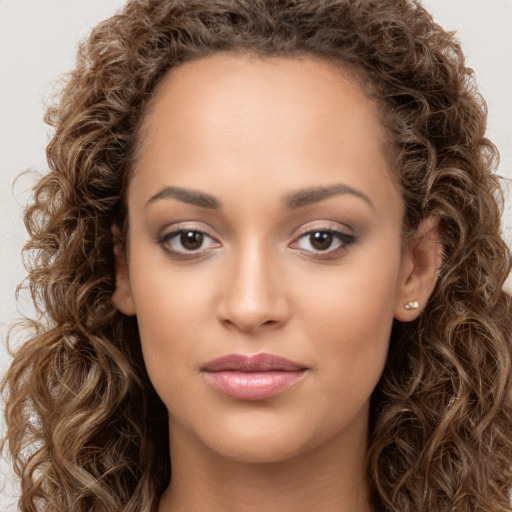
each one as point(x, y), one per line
point(252, 377)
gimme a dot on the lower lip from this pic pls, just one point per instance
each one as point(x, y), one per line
point(253, 386)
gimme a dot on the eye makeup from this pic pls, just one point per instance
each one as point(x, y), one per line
point(192, 243)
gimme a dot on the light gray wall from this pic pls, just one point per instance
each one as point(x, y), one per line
point(37, 44)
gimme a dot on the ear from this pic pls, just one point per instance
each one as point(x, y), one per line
point(421, 262)
point(122, 297)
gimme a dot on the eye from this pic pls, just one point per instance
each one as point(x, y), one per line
point(324, 242)
point(186, 243)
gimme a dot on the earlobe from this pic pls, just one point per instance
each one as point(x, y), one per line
point(421, 262)
point(122, 297)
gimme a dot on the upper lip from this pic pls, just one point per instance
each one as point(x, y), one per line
point(252, 363)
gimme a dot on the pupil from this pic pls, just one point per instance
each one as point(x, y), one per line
point(321, 240)
point(191, 240)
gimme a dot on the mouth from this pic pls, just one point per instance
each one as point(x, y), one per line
point(252, 378)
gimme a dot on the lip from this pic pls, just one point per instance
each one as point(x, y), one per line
point(252, 378)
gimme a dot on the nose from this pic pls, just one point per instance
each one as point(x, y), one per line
point(254, 295)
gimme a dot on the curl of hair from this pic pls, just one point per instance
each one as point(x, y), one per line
point(440, 437)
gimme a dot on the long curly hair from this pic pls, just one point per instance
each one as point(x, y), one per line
point(86, 430)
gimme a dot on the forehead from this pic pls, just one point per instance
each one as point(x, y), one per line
point(230, 87)
point(277, 118)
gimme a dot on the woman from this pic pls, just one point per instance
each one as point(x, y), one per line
point(268, 256)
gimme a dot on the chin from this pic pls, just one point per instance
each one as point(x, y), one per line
point(260, 450)
point(258, 442)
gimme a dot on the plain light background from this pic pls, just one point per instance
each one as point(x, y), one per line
point(38, 40)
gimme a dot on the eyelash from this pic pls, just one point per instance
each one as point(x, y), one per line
point(164, 239)
point(344, 239)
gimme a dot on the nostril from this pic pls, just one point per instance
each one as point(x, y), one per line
point(250, 324)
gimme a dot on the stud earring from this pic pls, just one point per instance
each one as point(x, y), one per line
point(412, 304)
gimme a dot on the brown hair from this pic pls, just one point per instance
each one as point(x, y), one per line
point(440, 437)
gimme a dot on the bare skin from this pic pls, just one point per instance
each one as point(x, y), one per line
point(264, 219)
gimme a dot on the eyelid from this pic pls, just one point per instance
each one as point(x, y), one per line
point(330, 226)
point(175, 230)
point(185, 226)
point(345, 238)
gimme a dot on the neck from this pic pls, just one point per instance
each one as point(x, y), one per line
point(329, 478)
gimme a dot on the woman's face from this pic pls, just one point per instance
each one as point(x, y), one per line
point(264, 223)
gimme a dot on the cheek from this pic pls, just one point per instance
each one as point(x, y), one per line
point(349, 323)
point(352, 341)
point(167, 297)
point(170, 314)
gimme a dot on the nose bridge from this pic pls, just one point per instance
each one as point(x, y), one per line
point(254, 294)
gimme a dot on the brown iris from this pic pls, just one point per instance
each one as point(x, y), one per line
point(321, 240)
point(191, 240)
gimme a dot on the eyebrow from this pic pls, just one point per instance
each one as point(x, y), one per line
point(185, 195)
point(306, 196)
point(296, 199)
